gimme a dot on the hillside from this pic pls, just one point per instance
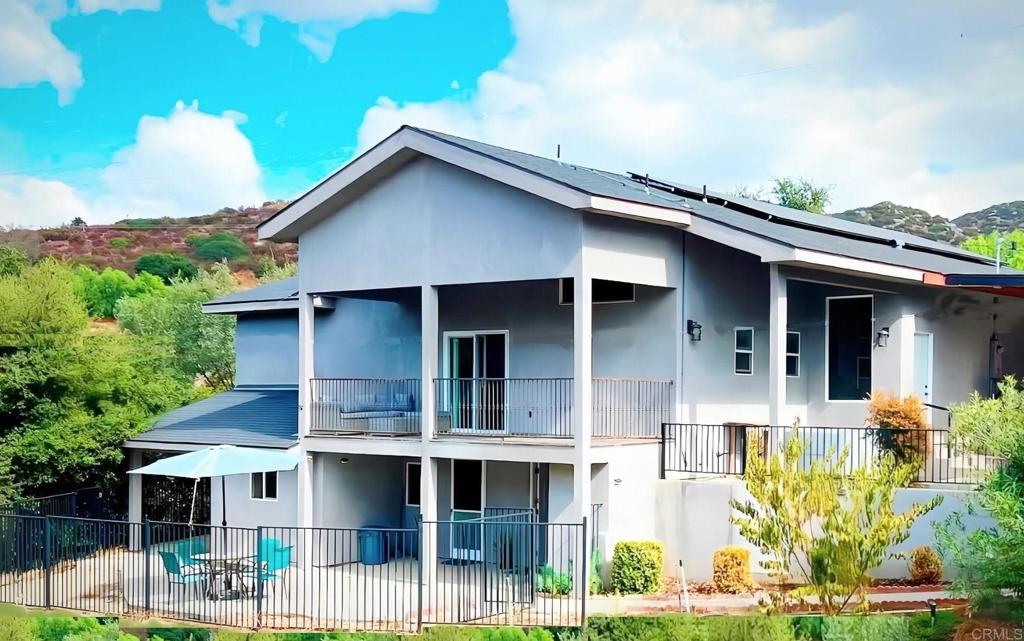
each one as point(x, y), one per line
point(1003, 217)
point(119, 245)
point(906, 219)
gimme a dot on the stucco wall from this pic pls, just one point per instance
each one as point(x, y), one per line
point(369, 338)
point(692, 519)
point(246, 512)
point(392, 235)
point(365, 491)
point(267, 349)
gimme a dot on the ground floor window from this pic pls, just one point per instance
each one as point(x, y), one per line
point(849, 347)
point(743, 356)
point(263, 486)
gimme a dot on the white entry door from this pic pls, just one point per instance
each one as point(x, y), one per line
point(923, 366)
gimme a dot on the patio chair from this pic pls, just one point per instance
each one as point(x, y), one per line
point(276, 561)
point(187, 550)
point(182, 576)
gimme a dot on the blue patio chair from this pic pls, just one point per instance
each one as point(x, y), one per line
point(188, 548)
point(275, 563)
point(182, 576)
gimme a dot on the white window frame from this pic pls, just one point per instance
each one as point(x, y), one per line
point(263, 486)
point(408, 473)
point(799, 340)
point(828, 329)
point(736, 350)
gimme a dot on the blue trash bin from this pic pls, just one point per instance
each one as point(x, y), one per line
point(373, 549)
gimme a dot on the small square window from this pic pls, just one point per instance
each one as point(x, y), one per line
point(263, 486)
point(793, 354)
point(743, 356)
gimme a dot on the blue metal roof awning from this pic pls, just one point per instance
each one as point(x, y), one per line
point(246, 416)
point(985, 280)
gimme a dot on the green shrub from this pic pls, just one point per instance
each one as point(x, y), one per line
point(219, 246)
point(921, 628)
point(120, 242)
point(166, 266)
point(865, 628)
point(596, 584)
point(141, 222)
point(512, 634)
point(667, 627)
point(13, 260)
point(551, 581)
point(744, 628)
point(16, 629)
point(731, 570)
point(636, 567)
point(64, 628)
point(448, 633)
point(925, 565)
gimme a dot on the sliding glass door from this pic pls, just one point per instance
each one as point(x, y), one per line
point(476, 364)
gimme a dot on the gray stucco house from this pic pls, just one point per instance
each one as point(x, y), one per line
point(475, 328)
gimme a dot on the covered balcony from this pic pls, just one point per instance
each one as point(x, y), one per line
point(504, 363)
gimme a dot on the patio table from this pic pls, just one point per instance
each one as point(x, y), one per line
point(228, 565)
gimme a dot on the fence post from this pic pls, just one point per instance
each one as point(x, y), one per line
point(419, 575)
point(147, 547)
point(661, 452)
point(259, 576)
point(47, 562)
point(586, 577)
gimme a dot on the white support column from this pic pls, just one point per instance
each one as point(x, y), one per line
point(135, 497)
point(428, 516)
point(679, 329)
point(777, 324)
point(903, 332)
point(428, 361)
point(305, 474)
point(582, 390)
point(306, 369)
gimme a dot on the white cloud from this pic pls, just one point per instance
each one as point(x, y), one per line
point(318, 21)
point(730, 93)
point(31, 202)
point(185, 164)
point(118, 6)
point(30, 53)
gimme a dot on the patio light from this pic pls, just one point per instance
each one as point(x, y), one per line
point(883, 337)
point(693, 329)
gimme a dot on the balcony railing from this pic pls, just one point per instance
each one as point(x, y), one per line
point(630, 407)
point(722, 449)
point(365, 405)
point(521, 407)
point(530, 407)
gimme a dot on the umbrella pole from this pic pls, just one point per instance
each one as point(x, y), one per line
point(224, 512)
point(192, 511)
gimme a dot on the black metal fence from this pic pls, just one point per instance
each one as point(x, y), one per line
point(630, 407)
point(501, 568)
point(723, 449)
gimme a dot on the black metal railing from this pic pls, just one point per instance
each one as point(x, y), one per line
point(502, 567)
point(630, 407)
point(723, 449)
point(365, 405)
point(532, 407)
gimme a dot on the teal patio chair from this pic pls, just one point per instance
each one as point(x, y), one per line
point(183, 576)
point(275, 563)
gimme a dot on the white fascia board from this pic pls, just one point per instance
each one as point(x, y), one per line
point(845, 263)
point(639, 211)
point(287, 304)
point(368, 445)
point(277, 227)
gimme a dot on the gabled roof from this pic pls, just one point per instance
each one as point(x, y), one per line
point(248, 416)
point(777, 234)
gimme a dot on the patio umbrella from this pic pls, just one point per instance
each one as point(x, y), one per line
point(222, 461)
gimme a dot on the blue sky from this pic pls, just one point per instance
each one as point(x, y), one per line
point(111, 108)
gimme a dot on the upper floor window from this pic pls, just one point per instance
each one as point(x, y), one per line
point(848, 330)
point(263, 486)
point(793, 354)
point(743, 356)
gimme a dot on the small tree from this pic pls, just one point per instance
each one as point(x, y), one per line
point(12, 260)
point(821, 527)
point(898, 425)
point(800, 193)
point(166, 266)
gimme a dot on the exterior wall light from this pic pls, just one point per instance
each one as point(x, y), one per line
point(883, 337)
point(693, 329)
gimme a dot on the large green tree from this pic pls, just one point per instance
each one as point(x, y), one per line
point(1012, 250)
point(70, 397)
point(796, 193)
point(203, 344)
